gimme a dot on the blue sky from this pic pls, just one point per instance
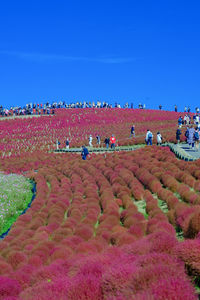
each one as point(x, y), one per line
point(115, 51)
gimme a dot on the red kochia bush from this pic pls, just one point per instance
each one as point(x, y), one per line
point(152, 274)
point(173, 288)
point(8, 287)
point(84, 287)
point(117, 280)
point(50, 290)
point(189, 252)
point(194, 225)
point(5, 268)
point(162, 241)
point(16, 258)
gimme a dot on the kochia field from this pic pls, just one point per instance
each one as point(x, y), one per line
point(116, 226)
point(33, 134)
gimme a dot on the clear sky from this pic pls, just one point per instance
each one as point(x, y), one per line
point(112, 50)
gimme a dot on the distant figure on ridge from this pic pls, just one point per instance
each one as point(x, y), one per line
point(175, 108)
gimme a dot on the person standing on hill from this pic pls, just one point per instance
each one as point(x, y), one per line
point(112, 141)
point(180, 122)
point(196, 138)
point(107, 142)
point(149, 137)
point(132, 131)
point(57, 144)
point(90, 140)
point(178, 134)
point(187, 134)
point(98, 139)
point(175, 108)
point(159, 138)
point(191, 139)
point(84, 152)
point(67, 143)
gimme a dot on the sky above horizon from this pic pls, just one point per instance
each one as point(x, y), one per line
point(114, 51)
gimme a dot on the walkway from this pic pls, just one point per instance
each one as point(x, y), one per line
point(100, 150)
point(182, 150)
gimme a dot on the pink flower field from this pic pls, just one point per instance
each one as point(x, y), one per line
point(117, 226)
point(32, 134)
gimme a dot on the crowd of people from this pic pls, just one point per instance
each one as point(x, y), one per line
point(111, 141)
point(49, 108)
point(192, 135)
point(192, 132)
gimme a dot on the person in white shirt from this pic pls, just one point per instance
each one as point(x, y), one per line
point(90, 140)
point(149, 137)
point(159, 138)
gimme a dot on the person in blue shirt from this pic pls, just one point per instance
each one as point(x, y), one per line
point(132, 131)
point(180, 122)
point(84, 152)
point(149, 137)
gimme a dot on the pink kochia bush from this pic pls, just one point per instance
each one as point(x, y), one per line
point(35, 134)
point(8, 287)
point(85, 237)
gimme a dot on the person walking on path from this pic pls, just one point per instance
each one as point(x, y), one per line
point(159, 138)
point(90, 140)
point(197, 119)
point(178, 134)
point(67, 143)
point(112, 141)
point(196, 138)
point(57, 144)
point(98, 139)
point(84, 152)
point(107, 142)
point(187, 134)
point(132, 131)
point(191, 137)
point(149, 137)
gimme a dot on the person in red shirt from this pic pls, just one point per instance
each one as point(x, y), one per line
point(112, 141)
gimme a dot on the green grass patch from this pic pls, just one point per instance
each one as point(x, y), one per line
point(179, 234)
point(121, 209)
point(141, 206)
point(15, 195)
point(163, 206)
